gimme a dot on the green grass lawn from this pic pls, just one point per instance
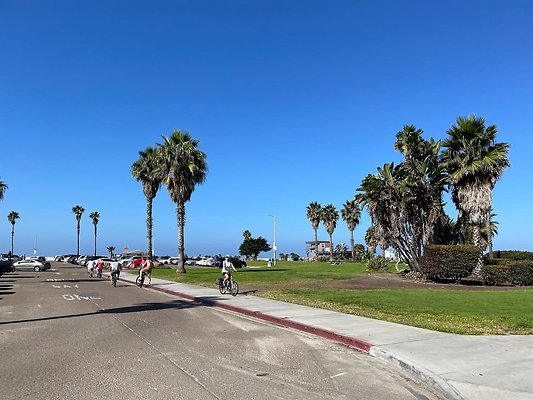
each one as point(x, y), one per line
point(448, 310)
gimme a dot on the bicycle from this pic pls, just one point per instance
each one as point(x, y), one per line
point(142, 276)
point(114, 278)
point(230, 286)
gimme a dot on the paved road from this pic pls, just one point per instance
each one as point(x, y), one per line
point(65, 336)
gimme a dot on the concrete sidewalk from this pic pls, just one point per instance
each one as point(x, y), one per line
point(455, 366)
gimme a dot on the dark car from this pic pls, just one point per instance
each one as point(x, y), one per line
point(5, 266)
point(235, 261)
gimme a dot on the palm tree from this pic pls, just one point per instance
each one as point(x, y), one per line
point(111, 250)
point(489, 231)
point(12, 218)
point(3, 188)
point(148, 170)
point(329, 218)
point(95, 216)
point(314, 214)
point(185, 167)
point(78, 211)
point(474, 162)
point(351, 214)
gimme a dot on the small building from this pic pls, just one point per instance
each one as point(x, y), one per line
point(323, 249)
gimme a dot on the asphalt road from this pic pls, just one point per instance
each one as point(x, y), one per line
point(66, 336)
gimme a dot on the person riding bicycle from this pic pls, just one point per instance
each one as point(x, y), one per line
point(146, 267)
point(227, 266)
point(115, 269)
point(90, 267)
point(99, 267)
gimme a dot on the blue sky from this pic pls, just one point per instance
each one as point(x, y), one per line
point(292, 101)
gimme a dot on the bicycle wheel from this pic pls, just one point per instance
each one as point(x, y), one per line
point(114, 281)
point(221, 288)
point(234, 289)
point(140, 281)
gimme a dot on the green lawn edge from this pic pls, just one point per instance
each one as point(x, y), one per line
point(467, 312)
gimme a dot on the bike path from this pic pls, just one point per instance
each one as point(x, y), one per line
point(455, 366)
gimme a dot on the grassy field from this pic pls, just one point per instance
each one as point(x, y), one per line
point(440, 308)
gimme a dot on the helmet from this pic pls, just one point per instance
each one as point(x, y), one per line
point(227, 256)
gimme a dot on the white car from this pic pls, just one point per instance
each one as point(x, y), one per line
point(29, 264)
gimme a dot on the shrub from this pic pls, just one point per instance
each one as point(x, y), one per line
point(514, 272)
point(495, 274)
point(323, 258)
point(378, 263)
point(513, 255)
point(448, 262)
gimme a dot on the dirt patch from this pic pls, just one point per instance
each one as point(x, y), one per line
point(397, 281)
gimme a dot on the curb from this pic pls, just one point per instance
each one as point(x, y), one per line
point(418, 373)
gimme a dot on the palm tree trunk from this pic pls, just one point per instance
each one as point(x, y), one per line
point(489, 237)
point(330, 247)
point(180, 211)
point(353, 245)
point(316, 245)
point(476, 236)
point(12, 238)
point(78, 248)
point(149, 225)
point(95, 240)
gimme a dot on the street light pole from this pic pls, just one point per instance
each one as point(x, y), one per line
point(274, 244)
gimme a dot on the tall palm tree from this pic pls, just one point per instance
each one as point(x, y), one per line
point(314, 214)
point(95, 216)
point(78, 211)
point(185, 167)
point(111, 251)
point(329, 218)
point(149, 170)
point(3, 188)
point(12, 218)
point(351, 213)
point(474, 162)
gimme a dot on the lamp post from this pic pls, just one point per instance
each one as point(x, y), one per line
point(274, 244)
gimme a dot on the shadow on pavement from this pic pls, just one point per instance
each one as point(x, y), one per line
point(176, 304)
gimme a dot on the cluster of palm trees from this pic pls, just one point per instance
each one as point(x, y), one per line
point(328, 215)
point(180, 165)
point(12, 217)
point(405, 200)
point(95, 217)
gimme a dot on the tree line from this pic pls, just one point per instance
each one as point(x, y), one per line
point(405, 201)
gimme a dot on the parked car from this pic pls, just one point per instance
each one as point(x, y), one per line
point(237, 263)
point(29, 264)
point(5, 266)
point(164, 260)
point(207, 262)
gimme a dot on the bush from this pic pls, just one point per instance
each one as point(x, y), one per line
point(448, 262)
point(514, 272)
point(323, 258)
point(378, 263)
point(513, 255)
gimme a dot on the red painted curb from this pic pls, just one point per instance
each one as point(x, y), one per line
point(352, 342)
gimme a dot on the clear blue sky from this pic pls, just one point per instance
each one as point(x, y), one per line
point(292, 101)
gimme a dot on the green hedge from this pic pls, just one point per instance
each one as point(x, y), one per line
point(448, 262)
point(517, 272)
point(513, 255)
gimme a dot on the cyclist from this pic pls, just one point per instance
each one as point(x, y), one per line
point(99, 268)
point(115, 268)
point(90, 267)
point(227, 266)
point(146, 267)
